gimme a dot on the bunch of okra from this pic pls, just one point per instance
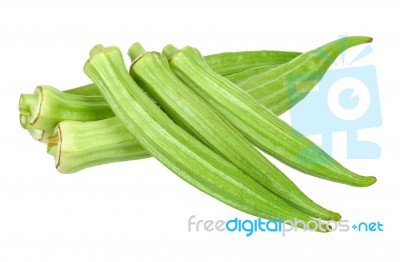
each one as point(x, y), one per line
point(200, 116)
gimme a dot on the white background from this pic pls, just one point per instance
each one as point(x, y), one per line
point(138, 211)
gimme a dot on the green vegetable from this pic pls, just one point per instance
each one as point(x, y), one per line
point(175, 148)
point(259, 124)
point(123, 153)
point(152, 72)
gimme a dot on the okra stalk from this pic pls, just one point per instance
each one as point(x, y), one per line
point(153, 73)
point(259, 124)
point(175, 148)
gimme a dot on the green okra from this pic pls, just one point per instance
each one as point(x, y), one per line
point(92, 90)
point(259, 124)
point(153, 73)
point(186, 156)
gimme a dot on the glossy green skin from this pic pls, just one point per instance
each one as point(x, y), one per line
point(245, 75)
point(259, 124)
point(152, 72)
point(186, 156)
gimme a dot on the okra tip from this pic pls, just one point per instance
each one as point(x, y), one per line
point(336, 216)
point(370, 180)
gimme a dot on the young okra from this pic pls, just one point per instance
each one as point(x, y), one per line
point(183, 154)
point(259, 124)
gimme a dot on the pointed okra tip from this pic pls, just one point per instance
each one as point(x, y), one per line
point(336, 216)
point(371, 180)
point(365, 181)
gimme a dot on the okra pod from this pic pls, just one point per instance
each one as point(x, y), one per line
point(186, 156)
